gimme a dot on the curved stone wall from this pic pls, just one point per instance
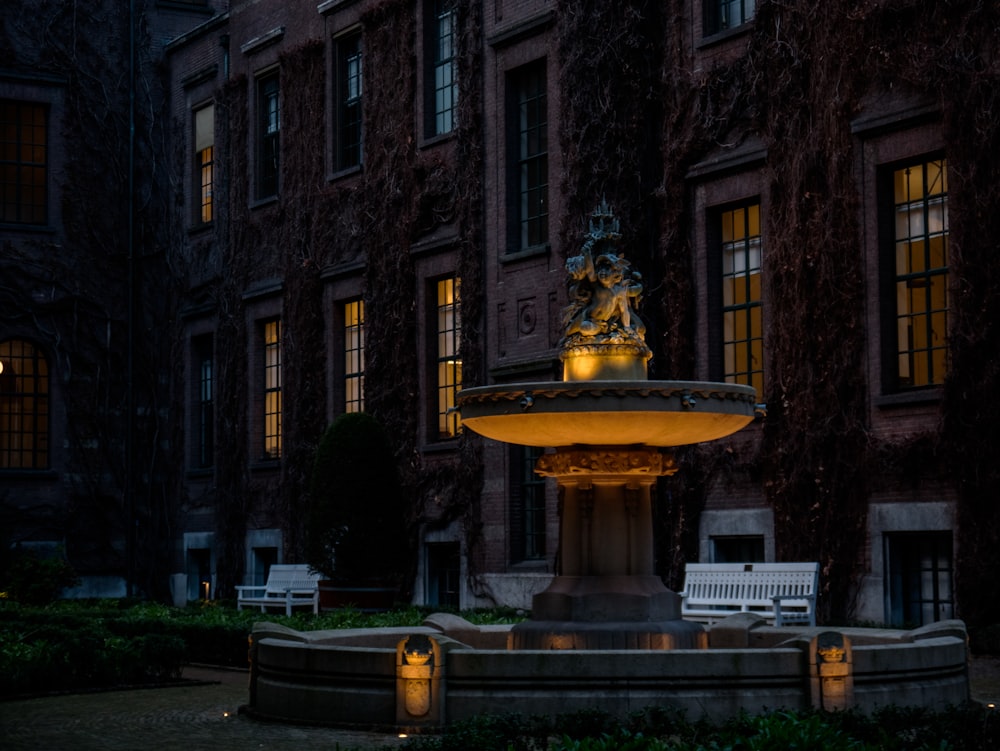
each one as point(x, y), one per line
point(450, 670)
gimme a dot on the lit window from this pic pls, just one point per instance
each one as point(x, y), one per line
point(272, 389)
point(204, 147)
point(529, 152)
point(24, 406)
point(920, 221)
point(742, 314)
point(527, 505)
point(354, 356)
point(205, 401)
point(727, 14)
point(441, 42)
point(23, 162)
point(449, 363)
point(269, 128)
point(348, 97)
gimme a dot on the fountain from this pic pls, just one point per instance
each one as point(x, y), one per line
point(607, 424)
point(606, 633)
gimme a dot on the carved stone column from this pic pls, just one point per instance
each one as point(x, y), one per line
point(606, 594)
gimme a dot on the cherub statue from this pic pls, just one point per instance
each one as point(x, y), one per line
point(604, 291)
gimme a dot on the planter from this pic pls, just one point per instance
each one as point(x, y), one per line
point(371, 598)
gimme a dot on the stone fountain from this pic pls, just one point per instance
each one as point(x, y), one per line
point(606, 633)
point(608, 425)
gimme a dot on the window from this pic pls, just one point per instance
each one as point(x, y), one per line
point(268, 129)
point(449, 364)
point(24, 406)
point(354, 356)
point(444, 574)
point(204, 148)
point(527, 504)
point(917, 327)
point(23, 162)
point(918, 577)
point(742, 315)
point(727, 14)
point(349, 81)
point(272, 389)
point(529, 184)
point(443, 88)
point(738, 549)
point(204, 421)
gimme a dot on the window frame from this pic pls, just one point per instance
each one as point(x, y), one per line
point(353, 354)
point(893, 379)
point(906, 554)
point(719, 309)
point(348, 110)
point(446, 323)
point(527, 168)
point(204, 385)
point(268, 167)
point(714, 20)
point(527, 503)
point(271, 389)
point(37, 163)
point(203, 177)
point(441, 63)
point(31, 387)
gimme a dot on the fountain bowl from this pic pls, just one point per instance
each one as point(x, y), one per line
point(608, 413)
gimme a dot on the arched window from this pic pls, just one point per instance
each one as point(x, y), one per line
point(24, 406)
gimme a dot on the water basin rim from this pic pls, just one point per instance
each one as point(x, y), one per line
point(557, 389)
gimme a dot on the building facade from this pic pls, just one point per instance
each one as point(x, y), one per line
point(366, 205)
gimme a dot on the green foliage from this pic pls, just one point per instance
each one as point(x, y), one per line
point(664, 729)
point(33, 579)
point(70, 645)
point(356, 523)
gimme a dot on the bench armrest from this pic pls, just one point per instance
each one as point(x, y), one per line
point(811, 599)
point(241, 591)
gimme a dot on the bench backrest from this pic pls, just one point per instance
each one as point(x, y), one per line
point(752, 584)
point(283, 576)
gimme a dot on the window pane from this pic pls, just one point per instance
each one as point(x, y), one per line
point(268, 134)
point(272, 389)
point(354, 355)
point(449, 363)
point(24, 406)
point(921, 267)
point(23, 162)
point(350, 78)
point(742, 314)
point(532, 155)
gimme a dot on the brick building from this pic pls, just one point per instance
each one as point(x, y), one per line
point(350, 205)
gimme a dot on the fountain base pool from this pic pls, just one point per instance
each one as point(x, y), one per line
point(405, 679)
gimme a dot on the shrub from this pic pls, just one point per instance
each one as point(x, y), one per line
point(356, 521)
point(32, 579)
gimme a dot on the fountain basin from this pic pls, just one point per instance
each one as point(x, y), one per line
point(615, 413)
point(357, 678)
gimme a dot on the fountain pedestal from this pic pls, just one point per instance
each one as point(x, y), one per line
point(606, 595)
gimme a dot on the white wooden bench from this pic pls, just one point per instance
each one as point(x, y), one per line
point(779, 592)
point(288, 586)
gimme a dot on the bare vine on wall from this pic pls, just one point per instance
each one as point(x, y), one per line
point(801, 80)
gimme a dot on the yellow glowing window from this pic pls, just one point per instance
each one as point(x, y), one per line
point(204, 147)
point(449, 363)
point(921, 273)
point(354, 356)
point(272, 389)
point(742, 313)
